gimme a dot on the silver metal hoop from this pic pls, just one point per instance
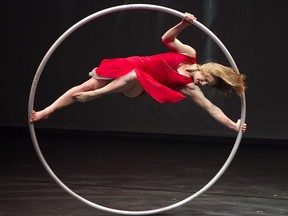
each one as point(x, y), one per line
point(77, 26)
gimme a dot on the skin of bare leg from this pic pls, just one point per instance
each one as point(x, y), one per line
point(67, 99)
point(122, 84)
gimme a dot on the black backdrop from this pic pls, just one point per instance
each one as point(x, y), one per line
point(253, 31)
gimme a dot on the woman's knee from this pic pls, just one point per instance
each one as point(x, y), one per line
point(135, 89)
point(131, 76)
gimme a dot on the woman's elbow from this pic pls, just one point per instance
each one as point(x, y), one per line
point(164, 40)
point(167, 40)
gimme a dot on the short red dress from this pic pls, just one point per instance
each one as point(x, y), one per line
point(157, 73)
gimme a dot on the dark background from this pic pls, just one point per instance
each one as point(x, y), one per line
point(253, 31)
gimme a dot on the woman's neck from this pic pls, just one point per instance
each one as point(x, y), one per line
point(187, 69)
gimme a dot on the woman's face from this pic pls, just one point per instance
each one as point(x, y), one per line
point(202, 79)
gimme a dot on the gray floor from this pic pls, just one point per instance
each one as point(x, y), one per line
point(140, 172)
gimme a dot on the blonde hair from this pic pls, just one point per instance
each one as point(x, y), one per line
point(227, 78)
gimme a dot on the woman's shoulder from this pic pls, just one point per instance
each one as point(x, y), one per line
point(175, 57)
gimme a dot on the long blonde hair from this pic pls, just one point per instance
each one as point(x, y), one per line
point(227, 78)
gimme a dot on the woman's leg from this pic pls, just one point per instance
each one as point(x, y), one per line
point(127, 84)
point(67, 98)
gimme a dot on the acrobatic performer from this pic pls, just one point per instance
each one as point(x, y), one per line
point(167, 77)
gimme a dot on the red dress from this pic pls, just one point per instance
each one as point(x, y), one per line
point(157, 73)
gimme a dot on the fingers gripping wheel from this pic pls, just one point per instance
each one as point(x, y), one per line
point(69, 32)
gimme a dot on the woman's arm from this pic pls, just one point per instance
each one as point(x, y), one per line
point(171, 41)
point(198, 97)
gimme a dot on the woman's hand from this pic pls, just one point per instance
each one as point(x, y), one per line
point(189, 18)
point(244, 126)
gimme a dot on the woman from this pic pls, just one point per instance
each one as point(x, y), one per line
point(167, 77)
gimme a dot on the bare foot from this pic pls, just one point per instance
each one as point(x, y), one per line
point(36, 116)
point(84, 96)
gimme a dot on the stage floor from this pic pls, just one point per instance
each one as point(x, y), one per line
point(140, 172)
